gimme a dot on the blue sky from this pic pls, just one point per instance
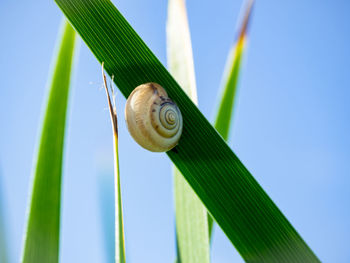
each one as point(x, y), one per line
point(291, 126)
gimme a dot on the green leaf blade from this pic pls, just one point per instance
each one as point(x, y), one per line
point(236, 201)
point(43, 223)
point(230, 80)
point(225, 111)
point(192, 236)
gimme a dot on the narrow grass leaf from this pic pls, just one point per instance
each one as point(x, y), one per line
point(119, 225)
point(41, 241)
point(226, 105)
point(232, 196)
point(191, 216)
point(230, 80)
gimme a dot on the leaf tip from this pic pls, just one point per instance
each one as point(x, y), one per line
point(246, 19)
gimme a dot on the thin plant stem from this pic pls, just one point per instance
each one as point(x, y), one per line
point(119, 226)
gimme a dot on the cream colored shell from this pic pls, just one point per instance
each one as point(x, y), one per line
point(153, 120)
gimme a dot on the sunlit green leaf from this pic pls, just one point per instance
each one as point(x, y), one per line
point(43, 223)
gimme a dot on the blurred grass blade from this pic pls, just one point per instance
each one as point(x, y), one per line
point(179, 48)
point(106, 203)
point(236, 201)
point(119, 226)
point(230, 79)
point(191, 216)
point(43, 223)
point(3, 233)
point(226, 105)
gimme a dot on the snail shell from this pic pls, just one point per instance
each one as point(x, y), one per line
point(153, 120)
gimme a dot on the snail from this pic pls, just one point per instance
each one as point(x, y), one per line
point(153, 120)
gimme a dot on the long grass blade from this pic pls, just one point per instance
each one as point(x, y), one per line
point(119, 226)
point(41, 243)
point(224, 115)
point(230, 80)
point(191, 216)
point(232, 196)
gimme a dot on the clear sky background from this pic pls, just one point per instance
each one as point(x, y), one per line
point(291, 125)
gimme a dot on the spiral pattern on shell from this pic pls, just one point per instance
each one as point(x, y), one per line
point(153, 120)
